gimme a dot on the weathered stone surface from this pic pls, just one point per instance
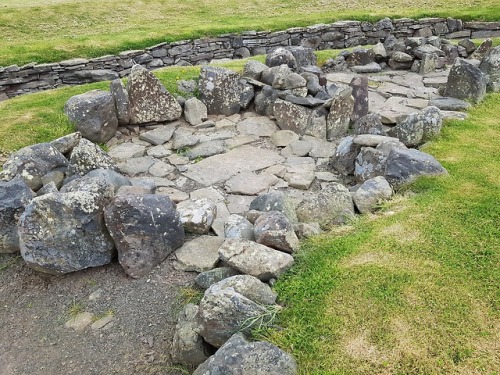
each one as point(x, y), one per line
point(120, 98)
point(220, 168)
point(262, 126)
point(197, 215)
point(372, 140)
point(145, 228)
point(220, 90)
point(95, 185)
point(370, 163)
point(248, 358)
point(371, 193)
point(31, 163)
point(283, 138)
point(67, 143)
point(273, 229)
point(300, 172)
point(345, 155)
point(195, 111)
point(65, 232)
point(275, 76)
point(14, 196)
point(419, 127)
point(223, 312)
point(466, 81)
point(199, 255)
point(94, 115)
point(450, 104)
point(332, 205)
point(159, 135)
point(188, 347)
point(135, 166)
point(255, 259)
point(248, 286)
point(306, 230)
point(275, 202)
point(291, 116)
point(126, 151)
point(206, 279)
point(406, 165)
point(281, 56)
point(250, 183)
point(372, 67)
point(304, 56)
point(490, 65)
point(149, 100)
point(369, 124)
point(236, 226)
point(253, 69)
point(360, 94)
point(114, 178)
point(360, 56)
point(86, 157)
point(340, 113)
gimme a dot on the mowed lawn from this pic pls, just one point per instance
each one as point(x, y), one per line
point(53, 30)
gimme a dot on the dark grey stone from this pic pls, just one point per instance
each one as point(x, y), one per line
point(146, 229)
point(281, 56)
point(345, 155)
point(360, 94)
point(220, 90)
point(369, 124)
point(273, 229)
point(120, 97)
point(86, 157)
point(67, 143)
point(94, 115)
point(275, 202)
point(450, 104)
point(205, 279)
point(466, 81)
point(490, 65)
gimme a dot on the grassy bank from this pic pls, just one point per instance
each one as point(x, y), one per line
point(416, 290)
point(54, 30)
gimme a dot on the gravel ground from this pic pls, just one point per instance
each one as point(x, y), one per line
point(34, 308)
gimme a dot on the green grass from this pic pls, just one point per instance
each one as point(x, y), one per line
point(54, 30)
point(416, 289)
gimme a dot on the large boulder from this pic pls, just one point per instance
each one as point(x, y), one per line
point(14, 196)
point(255, 259)
point(220, 90)
point(371, 193)
point(145, 228)
point(65, 232)
point(291, 116)
point(94, 115)
point(332, 205)
point(241, 357)
point(490, 65)
point(224, 312)
point(31, 163)
point(281, 56)
point(406, 165)
point(340, 113)
point(466, 81)
point(304, 56)
point(345, 155)
point(149, 100)
point(273, 229)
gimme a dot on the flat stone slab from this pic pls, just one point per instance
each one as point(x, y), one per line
point(372, 140)
point(250, 183)
point(220, 168)
point(159, 135)
point(199, 255)
point(262, 126)
point(126, 151)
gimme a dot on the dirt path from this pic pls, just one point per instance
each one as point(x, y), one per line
point(35, 307)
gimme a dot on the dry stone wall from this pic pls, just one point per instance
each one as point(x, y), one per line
point(33, 77)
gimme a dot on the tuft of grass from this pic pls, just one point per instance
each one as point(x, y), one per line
point(415, 291)
point(190, 295)
point(75, 308)
point(48, 31)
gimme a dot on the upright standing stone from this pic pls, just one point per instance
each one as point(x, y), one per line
point(149, 100)
point(340, 114)
point(360, 94)
point(491, 66)
point(220, 90)
point(120, 97)
point(466, 81)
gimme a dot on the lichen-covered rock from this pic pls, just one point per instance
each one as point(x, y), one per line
point(149, 100)
point(86, 157)
point(31, 163)
point(253, 69)
point(240, 357)
point(340, 113)
point(205, 279)
point(332, 205)
point(114, 178)
point(371, 193)
point(291, 116)
point(248, 286)
point(224, 312)
point(220, 90)
point(406, 165)
point(419, 127)
point(466, 81)
point(197, 215)
point(345, 155)
point(275, 202)
point(304, 56)
point(281, 56)
point(67, 143)
point(273, 229)
point(94, 115)
point(145, 228)
point(14, 196)
point(490, 65)
point(360, 95)
point(370, 163)
point(237, 226)
point(95, 185)
point(188, 347)
point(255, 259)
point(120, 98)
point(65, 232)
